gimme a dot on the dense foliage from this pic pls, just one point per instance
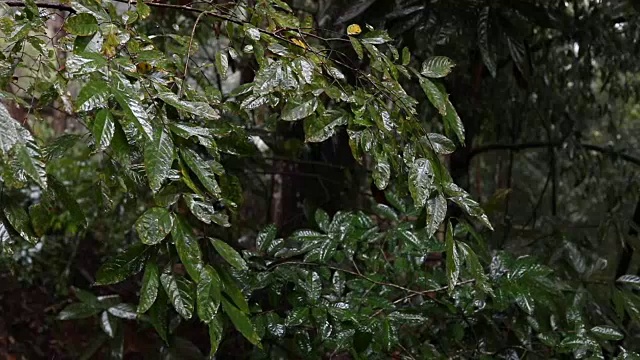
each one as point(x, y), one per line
point(271, 179)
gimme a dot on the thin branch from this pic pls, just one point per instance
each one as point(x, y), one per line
point(41, 4)
point(543, 144)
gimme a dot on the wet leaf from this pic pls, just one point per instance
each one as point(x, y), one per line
point(154, 225)
point(229, 254)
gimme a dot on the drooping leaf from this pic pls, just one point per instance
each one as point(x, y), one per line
point(11, 132)
point(149, 288)
point(436, 98)
point(437, 67)
point(452, 121)
point(208, 294)
point(19, 220)
point(28, 156)
point(436, 213)
point(123, 265)
point(203, 171)
point(421, 178)
point(180, 292)
point(154, 225)
point(453, 258)
point(381, 171)
point(188, 248)
point(229, 254)
point(93, 95)
point(241, 322)
point(606, 333)
point(108, 324)
point(215, 335)
point(222, 64)
point(199, 109)
point(82, 24)
point(103, 129)
point(158, 157)
point(440, 143)
point(320, 128)
point(132, 107)
point(205, 211)
point(123, 311)
point(295, 110)
point(78, 311)
point(357, 47)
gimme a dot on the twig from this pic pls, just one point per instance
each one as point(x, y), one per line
point(545, 144)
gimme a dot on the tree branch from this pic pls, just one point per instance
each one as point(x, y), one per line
point(541, 144)
point(41, 4)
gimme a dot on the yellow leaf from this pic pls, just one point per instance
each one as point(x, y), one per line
point(299, 43)
point(143, 67)
point(354, 29)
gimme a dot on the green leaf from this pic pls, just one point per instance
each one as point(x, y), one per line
point(453, 258)
point(437, 67)
point(629, 280)
point(143, 10)
point(203, 171)
point(406, 56)
point(108, 324)
point(180, 293)
point(123, 265)
point(320, 128)
point(199, 109)
point(103, 129)
point(232, 290)
point(229, 254)
point(28, 156)
point(19, 220)
point(436, 98)
point(150, 285)
point(436, 213)
point(440, 143)
point(132, 108)
point(607, 333)
point(123, 311)
point(357, 47)
point(322, 219)
point(222, 64)
point(525, 302)
point(94, 94)
point(295, 110)
point(11, 132)
point(154, 225)
point(421, 178)
point(158, 157)
point(82, 24)
point(188, 248)
point(452, 121)
point(266, 237)
point(208, 294)
point(78, 311)
point(241, 322)
point(215, 335)
point(204, 211)
point(381, 171)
